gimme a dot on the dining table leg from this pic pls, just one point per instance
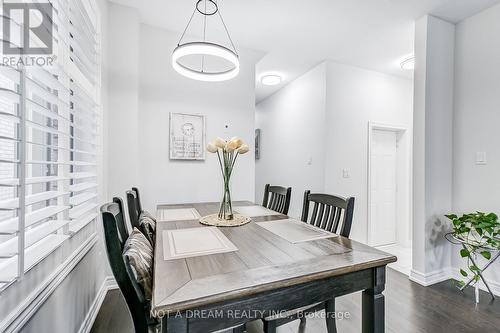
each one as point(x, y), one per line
point(331, 326)
point(373, 306)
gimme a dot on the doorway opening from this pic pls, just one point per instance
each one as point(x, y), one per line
point(389, 192)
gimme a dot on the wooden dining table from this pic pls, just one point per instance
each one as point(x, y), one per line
point(267, 274)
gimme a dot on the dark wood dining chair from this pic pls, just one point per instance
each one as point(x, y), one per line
point(138, 205)
point(277, 198)
point(137, 199)
point(112, 218)
point(331, 213)
point(133, 211)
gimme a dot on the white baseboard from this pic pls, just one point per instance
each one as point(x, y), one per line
point(109, 283)
point(18, 317)
point(431, 278)
point(447, 274)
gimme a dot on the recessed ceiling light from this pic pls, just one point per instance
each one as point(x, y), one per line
point(408, 64)
point(270, 79)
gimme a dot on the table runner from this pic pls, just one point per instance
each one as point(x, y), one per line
point(177, 214)
point(295, 231)
point(193, 242)
point(253, 211)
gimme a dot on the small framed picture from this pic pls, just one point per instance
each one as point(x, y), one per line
point(257, 143)
point(187, 136)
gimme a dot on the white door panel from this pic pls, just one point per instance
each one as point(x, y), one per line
point(383, 187)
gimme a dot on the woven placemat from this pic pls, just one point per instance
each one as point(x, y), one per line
point(238, 220)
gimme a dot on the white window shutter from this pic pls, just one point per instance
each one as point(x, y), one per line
point(49, 120)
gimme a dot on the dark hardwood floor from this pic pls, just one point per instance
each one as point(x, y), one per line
point(410, 308)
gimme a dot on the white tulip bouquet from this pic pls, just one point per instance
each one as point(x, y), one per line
point(227, 152)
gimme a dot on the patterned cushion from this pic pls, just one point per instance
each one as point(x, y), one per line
point(148, 214)
point(148, 228)
point(138, 256)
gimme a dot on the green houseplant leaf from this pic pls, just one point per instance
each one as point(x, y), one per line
point(479, 233)
point(486, 254)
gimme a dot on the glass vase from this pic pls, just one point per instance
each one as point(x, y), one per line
point(226, 207)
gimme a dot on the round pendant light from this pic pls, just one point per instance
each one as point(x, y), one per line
point(205, 49)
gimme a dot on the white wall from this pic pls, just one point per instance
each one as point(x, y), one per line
point(355, 97)
point(324, 115)
point(433, 118)
point(123, 120)
point(292, 124)
point(477, 115)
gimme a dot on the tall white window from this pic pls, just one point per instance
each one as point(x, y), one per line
point(49, 125)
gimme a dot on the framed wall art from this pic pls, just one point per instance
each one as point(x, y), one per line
point(187, 136)
point(257, 144)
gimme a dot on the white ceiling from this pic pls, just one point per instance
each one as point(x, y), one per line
point(295, 35)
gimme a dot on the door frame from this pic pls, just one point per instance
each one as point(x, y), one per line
point(401, 131)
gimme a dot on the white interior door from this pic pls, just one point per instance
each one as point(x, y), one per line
point(383, 187)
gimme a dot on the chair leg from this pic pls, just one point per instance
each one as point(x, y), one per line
point(302, 325)
point(330, 316)
point(269, 326)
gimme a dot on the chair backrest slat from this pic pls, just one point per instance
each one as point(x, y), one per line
point(331, 218)
point(133, 211)
point(336, 221)
point(317, 223)
point(112, 217)
point(277, 198)
point(314, 213)
point(324, 221)
point(275, 202)
point(272, 204)
point(330, 212)
point(281, 203)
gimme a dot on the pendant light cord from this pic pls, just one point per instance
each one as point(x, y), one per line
point(227, 31)
point(187, 26)
point(205, 27)
point(205, 23)
point(204, 35)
